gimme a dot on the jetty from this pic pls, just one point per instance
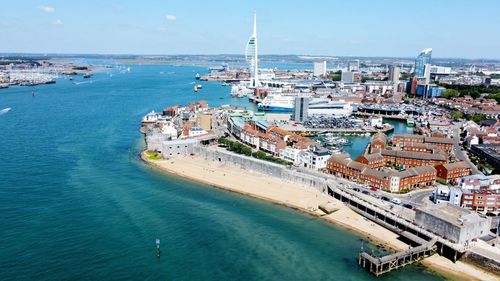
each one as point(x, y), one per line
point(380, 265)
point(427, 243)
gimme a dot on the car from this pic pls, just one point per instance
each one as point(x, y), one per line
point(375, 195)
point(373, 188)
point(396, 201)
point(356, 189)
point(408, 206)
point(365, 192)
point(385, 198)
point(348, 186)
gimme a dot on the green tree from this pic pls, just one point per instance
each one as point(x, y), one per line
point(450, 93)
point(457, 115)
point(478, 118)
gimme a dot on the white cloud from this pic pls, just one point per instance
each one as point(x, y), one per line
point(47, 9)
point(170, 17)
point(57, 22)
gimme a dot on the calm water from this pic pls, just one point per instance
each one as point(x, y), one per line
point(77, 204)
point(359, 142)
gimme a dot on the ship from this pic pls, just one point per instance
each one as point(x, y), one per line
point(326, 107)
point(279, 103)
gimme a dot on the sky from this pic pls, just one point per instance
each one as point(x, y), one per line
point(394, 28)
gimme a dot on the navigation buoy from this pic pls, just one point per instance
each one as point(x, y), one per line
point(158, 251)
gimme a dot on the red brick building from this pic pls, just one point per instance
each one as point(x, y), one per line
point(378, 142)
point(344, 168)
point(413, 159)
point(417, 177)
point(400, 140)
point(481, 200)
point(451, 172)
point(374, 161)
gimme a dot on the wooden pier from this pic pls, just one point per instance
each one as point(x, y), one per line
point(380, 265)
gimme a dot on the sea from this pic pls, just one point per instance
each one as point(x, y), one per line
point(77, 203)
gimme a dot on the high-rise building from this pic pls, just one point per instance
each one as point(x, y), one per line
point(394, 73)
point(353, 65)
point(319, 68)
point(350, 77)
point(422, 59)
point(427, 73)
point(300, 109)
point(251, 54)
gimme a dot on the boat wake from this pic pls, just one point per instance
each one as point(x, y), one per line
point(5, 110)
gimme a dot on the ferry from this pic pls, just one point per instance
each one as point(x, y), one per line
point(326, 107)
point(277, 103)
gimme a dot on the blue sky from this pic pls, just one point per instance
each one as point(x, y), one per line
point(456, 28)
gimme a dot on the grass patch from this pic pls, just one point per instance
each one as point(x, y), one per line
point(153, 155)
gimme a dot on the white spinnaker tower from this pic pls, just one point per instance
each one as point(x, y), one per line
point(251, 54)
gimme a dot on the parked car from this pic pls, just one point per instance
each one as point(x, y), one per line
point(396, 201)
point(365, 192)
point(408, 206)
point(373, 188)
point(385, 198)
point(356, 189)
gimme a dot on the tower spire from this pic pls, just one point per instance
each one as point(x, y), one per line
point(251, 54)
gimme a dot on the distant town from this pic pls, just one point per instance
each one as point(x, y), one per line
point(437, 186)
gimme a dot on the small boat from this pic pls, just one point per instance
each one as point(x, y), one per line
point(197, 87)
point(225, 84)
point(88, 75)
point(197, 76)
point(5, 110)
point(410, 122)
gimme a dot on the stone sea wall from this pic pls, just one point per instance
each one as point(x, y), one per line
point(309, 179)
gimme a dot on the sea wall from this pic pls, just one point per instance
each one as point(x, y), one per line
point(309, 179)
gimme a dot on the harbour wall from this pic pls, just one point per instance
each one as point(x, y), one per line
point(309, 179)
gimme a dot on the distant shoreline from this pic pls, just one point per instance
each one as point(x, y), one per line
point(301, 199)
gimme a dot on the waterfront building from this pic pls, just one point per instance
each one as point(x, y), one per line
point(456, 224)
point(447, 194)
point(319, 69)
point(300, 109)
point(394, 73)
point(422, 59)
point(315, 158)
point(177, 148)
point(393, 181)
point(251, 54)
point(378, 142)
point(412, 159)
point(445, 144)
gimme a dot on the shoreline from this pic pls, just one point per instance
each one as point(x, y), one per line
point(299, 198)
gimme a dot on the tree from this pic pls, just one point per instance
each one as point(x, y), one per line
point(457, 115)
point(478, 118)
point(450, 93)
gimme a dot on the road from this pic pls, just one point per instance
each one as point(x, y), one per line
point(459, 153)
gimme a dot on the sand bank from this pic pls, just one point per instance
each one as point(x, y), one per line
point(307, 200)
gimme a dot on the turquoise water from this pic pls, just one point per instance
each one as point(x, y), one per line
point(76, 203)
point(359, 143)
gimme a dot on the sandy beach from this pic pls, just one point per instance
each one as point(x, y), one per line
point(307, 200)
